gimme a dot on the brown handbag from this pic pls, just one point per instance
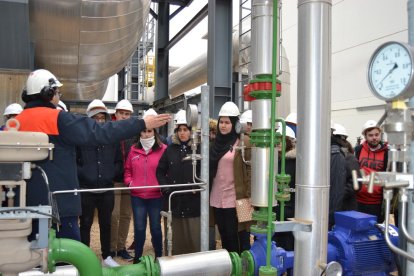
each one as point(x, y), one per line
point(244, 209)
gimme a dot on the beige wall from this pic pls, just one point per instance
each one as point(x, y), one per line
point(358, 28)
point(12, 83)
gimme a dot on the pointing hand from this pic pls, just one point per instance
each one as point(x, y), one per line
point(154, 121)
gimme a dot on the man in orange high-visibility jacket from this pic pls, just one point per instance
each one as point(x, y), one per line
point(65, 131)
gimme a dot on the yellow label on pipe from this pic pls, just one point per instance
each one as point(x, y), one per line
point(398, 104)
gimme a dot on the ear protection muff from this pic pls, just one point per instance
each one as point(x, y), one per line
point(48, 91)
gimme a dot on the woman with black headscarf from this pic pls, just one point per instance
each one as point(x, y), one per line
point(229, 179)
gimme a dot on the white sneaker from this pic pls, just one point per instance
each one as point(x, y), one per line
point(109, 262)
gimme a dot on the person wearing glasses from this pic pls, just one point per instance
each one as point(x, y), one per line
point(66, 131)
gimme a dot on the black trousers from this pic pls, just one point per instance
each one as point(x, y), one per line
point(104, 202)
point(372, 209)
point(227, 224)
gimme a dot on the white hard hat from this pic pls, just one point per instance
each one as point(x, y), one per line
point(340, 130)
point(180, 118)
point(292, 118)
point(289, 132)
point(13, 109)
point(62, 106)
point(229, 109)
point(149, 112)
point(124, 105)
point(246, 117)
point(95, 107)
point(369, 124)
point(40, 79)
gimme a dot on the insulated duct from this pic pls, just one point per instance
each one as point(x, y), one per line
point(84, 42)
point(194, 73)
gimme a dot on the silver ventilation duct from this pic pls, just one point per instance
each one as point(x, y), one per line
point(194, 74)
point(84, 42)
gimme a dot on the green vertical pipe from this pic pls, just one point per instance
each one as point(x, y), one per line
point(282, 211)
point(73, 252)
point(272, 142)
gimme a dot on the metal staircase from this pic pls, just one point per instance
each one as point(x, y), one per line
point(141, 68)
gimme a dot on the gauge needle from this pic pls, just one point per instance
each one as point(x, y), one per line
point(389, 72)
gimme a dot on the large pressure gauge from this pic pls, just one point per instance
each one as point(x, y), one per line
point(390, 71)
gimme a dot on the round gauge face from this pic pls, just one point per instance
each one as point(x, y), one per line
point(390, 71)
point(191, 115)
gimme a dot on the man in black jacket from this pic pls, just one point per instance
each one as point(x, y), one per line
point(337, 179)
point(97, 166)
point(65, 131)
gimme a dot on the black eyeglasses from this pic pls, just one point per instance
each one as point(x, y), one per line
point(57, 92)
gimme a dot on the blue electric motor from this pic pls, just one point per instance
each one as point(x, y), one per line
point(280, 258)
point(359, 246)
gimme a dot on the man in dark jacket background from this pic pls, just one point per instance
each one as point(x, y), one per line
point(349, 200)
point(337, 179)
point(97, 167)
point(65, 131)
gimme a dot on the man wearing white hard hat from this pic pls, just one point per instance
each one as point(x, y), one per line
point(340, 135)
point(11, 111)
point(65, 131)
point(292, 121)
point(246, 117)
point(372, 156)
point(97, 166)
point(337, 177)
point(121, 215)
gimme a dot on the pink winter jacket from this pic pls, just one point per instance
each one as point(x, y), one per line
point(140, 170)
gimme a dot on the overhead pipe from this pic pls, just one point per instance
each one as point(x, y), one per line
point(313, 146)
point(194, 74)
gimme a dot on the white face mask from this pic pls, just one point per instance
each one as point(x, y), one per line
point(147, 143)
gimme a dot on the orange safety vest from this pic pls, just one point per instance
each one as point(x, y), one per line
point(39, 119)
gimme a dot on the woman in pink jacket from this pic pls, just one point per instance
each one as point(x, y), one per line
point(140, 170)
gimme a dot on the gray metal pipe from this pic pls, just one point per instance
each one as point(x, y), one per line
point(313, 144)
point(388, 197)
point(262, 44)
point(205, 146)
point(408, 267)
point(404, 229)
point(216, 263)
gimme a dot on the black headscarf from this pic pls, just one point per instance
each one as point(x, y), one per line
point(222, 144)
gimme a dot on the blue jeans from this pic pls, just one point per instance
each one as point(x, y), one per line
point(141, 208)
